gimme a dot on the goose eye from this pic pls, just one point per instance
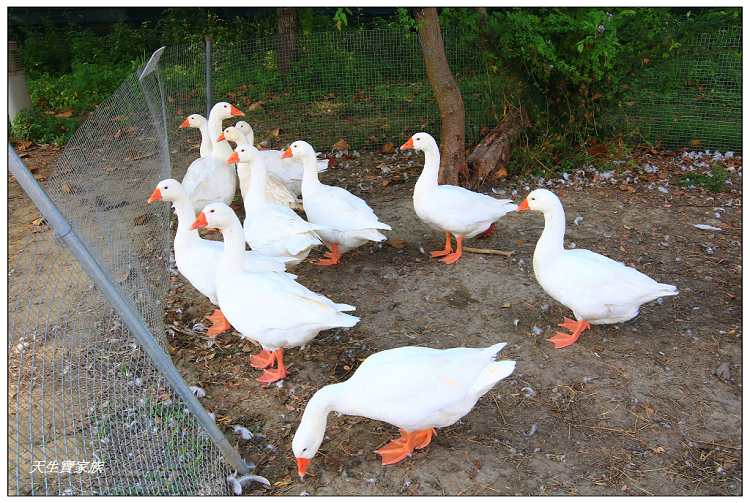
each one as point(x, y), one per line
point(165, 187)
point(211, 211)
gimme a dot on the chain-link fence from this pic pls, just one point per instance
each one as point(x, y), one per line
point(83, 392)
point(95, 408)
point(691, 97)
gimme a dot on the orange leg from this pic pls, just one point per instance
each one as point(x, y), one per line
point(219, 324)
point(277, 374)
point(446, 250)
point(453, 257)
point(400, 448)
point(487, 233)
point(331, 257)
point(262, 360)
point(562, 340)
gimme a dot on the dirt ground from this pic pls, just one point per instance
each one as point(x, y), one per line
point(652, 406)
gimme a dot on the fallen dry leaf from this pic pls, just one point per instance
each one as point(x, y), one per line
point(23, 145)
point(275, 132)
point(389, 148)
point(501, 173)
point(39, 221)
point(255, 106)
point(64, 114)
point(341, 145)
point(396, 243)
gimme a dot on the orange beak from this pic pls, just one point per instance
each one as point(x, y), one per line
point(155, 196)
point(221, 137)
point(200, 222)
point(185, 123)
point(302, 464)
point(236, 112)
point(408, 145)
point(234, 158)
point(524, 206)
point(285, 155)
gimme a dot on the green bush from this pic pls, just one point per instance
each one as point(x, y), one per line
point(40, 127)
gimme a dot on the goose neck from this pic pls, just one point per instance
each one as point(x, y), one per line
point(428, 179)
point(310, 181)
point(183, 208)
point(234, 247)
point(550, 243)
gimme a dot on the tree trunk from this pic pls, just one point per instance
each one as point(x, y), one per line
point(448, 96)
point(489, 160)
point(288, 27)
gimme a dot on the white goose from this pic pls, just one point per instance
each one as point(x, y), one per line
point(269, 308)
point(209, 179)
point(349, 220)
point(450, 209)
point(288, 170)
point(197, 258)
point(596, 288)
point(199, 122)
point(270, 228)
point(276, 190)
point(416, 389)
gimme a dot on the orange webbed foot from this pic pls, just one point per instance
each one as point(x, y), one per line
point(262, 360)
point(488, 232)
point(451, 258)
point(441, 253)
point(562, 340)
point(423, 438)
point(272, 375)
point(332, 257)
point(447, 249)
point(219, 323)
point(396, 450)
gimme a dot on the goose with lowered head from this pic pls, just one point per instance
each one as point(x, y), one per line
point(450, 209)
point(349, 221)
point(196, 258)
point(416, 389)
point(270, 228)
point(596, 288)
point(271, 309)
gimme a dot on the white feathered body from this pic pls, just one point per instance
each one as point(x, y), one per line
point(277, 231)
point(447, 208)
point(596, 288)
point(275, 310)
point(349, 221)
point(209, 180)
point(416, 388)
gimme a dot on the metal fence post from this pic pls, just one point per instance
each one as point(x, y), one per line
point(123, 305)
point(209, 46)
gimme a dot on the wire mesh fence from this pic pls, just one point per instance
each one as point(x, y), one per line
point(693, 98)
point(89, 412)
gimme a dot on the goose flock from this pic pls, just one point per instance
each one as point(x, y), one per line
point(416, 389)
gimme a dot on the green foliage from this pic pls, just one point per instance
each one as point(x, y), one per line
point(713, 181)
point(39, 127)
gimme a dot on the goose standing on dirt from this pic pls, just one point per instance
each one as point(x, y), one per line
point(197, 258)
point(349, 221)
point(276, 190)
point(269, 308)
point(288, 170)
point(271, 228)
point(596, 288)
point(448, 208)
point(209, 179)
point(414, 388)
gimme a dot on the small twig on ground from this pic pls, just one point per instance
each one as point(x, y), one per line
point(488, 251)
